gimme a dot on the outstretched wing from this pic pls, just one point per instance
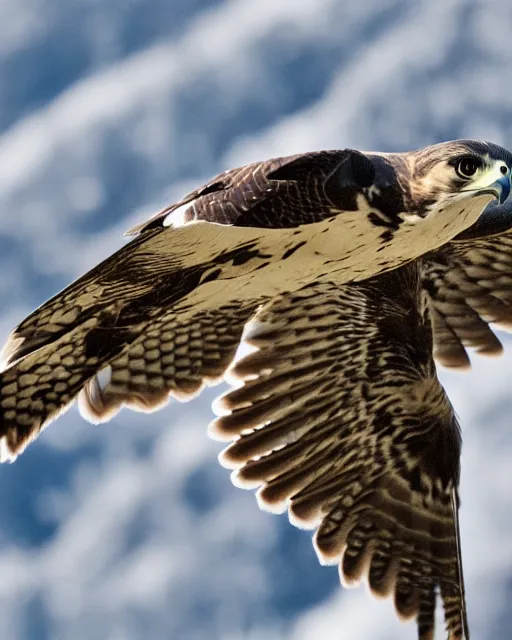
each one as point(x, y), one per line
point(277, 194)
point(243, 224)
point(470, 286)
point(339, 417)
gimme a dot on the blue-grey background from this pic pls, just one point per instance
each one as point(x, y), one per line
point(109, 111)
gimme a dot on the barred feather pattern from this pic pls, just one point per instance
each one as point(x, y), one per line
point(174, 355)
point(470, 287)
point(339, 416)
point(100, 293)
point(172, 358)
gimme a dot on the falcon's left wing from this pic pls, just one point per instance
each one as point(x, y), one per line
point(114, 332)
point(169, 257)
point(340, 417)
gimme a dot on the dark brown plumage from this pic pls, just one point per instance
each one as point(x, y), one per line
point(346, 273)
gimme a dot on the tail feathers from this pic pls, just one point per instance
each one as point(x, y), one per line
point(402, 545)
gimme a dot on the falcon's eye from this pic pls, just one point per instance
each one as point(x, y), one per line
point(467, 167)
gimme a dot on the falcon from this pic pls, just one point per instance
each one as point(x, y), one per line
point(340, 277)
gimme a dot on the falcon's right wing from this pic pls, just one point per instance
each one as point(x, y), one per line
point(470, 287)
point(339, 417)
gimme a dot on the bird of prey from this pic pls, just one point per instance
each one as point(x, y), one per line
point(345, 274)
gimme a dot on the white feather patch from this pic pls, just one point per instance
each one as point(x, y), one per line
point(177, 218)
point(8, 353)
point(253, 329)
point(6, 454)
point(104, 376)
point(91, 403)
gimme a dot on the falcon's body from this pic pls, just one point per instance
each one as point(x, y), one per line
point(346, 272)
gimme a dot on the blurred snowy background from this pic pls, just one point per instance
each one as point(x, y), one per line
point(108, 111)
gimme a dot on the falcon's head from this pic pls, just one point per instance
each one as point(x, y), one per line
point(453, 171)
point(445, 180)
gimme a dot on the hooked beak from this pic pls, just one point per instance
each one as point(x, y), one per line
point(496, 218)
point(494, 182)
point(502, 187)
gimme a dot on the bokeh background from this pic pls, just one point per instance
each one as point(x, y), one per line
point(109, 111)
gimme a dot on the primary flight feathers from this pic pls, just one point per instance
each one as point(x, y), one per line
point(347, 273)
